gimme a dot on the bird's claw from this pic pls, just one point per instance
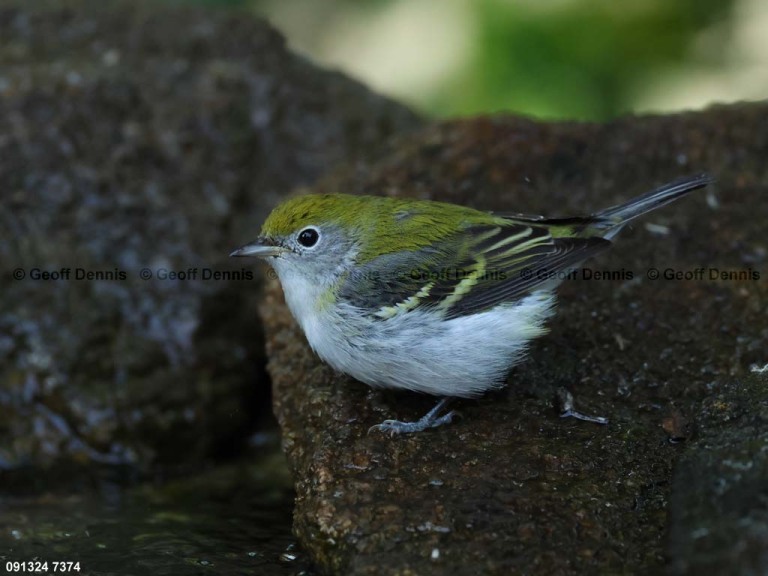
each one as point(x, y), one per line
point(395, 427)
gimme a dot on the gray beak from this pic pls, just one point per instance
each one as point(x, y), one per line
point(261, 248)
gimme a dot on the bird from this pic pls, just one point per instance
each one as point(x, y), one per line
point(429, 296)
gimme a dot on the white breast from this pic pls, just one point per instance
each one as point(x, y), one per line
point(462, 356)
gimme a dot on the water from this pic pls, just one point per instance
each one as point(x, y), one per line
point(233, 519)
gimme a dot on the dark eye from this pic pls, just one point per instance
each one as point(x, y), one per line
point(308, 237)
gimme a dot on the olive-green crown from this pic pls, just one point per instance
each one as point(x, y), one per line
point(382, 225)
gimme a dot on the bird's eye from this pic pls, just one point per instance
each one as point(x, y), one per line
point(308, 237)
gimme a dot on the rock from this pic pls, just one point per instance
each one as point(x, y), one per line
point(142, 140)
point(511, 487)
point(719, 520)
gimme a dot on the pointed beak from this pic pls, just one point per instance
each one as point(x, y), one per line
point(262, 247)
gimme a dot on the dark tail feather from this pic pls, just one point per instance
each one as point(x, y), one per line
point(616, 216)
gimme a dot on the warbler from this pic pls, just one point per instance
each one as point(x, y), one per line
point(429, 296)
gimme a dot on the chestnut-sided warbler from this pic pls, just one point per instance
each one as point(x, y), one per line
point(428, 296)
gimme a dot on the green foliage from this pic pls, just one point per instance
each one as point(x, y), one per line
point(582, 60)
point(214, 3)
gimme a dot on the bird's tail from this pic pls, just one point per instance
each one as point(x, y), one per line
point(612, 219)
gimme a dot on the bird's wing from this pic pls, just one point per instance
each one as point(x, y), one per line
point(485, 265)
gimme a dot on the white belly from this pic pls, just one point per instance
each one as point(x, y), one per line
point(458, 357)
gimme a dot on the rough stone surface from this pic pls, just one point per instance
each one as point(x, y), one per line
point(135, 136)
point(511, 487)
point(718, 506)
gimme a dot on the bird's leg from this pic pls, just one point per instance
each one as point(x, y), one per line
point(429, 420)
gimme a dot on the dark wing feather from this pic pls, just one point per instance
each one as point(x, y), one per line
point(512, 265)
point(521, 278)
point(492, 264)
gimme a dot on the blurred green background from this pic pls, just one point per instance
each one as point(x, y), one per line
point(580, 59)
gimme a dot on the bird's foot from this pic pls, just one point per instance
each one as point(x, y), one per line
point(429, 420)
